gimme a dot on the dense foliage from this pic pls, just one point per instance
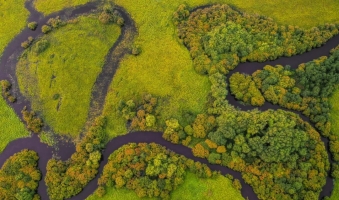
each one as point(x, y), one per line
point(66, 179)
point(270, 148)
point(220, 37)
point(19, 176)
point(141, 115)
point(148, 169)
point(305, 89)
point(243, 87)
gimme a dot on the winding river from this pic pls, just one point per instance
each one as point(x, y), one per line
point(116, 53)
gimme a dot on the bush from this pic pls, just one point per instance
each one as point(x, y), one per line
point(40, 46)
point(55, 22)
point(6, 85)
point(11, 98)
point(56, 96)
point(33, 122)
point(136, 50)
point(27, 43)
point(32, 25)
point(46, 29)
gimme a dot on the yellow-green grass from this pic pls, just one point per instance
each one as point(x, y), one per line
point(11, 128)
point(13, 16)
point(118, 194)
point(334, 116)
point(200, 189)
point(68, 68)
point(193, 188)
point(51, 6)
point(164, 67)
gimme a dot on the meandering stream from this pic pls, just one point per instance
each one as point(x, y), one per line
point(65, 150)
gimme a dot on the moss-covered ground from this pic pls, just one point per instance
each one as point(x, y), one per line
point(59, 80)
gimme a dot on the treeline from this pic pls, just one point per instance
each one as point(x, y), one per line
point(20, 176)
point(219, 37)
point(276, 151)
point(66, 179)
point(150, 170)
point(305, 89)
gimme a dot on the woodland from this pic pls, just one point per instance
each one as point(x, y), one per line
point(139, 100)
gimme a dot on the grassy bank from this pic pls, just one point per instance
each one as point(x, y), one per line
point(51, 6)
point(193, 188)
point(59, 80)
point(11, 128)
point(13, 19)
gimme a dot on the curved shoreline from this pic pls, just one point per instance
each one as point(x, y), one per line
point(8, 63)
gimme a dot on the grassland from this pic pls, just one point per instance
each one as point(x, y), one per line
point(11, 127)
point(200, 189)
point(59, 80)
point(13, 16)
point(193, 188)
point(164, 67)
point(50, 6)
point(13, 19)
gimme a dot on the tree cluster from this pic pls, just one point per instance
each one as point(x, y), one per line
point(110, 15)
point(305, 89)
point(6, 87)
point(142, 116)
point(66, 179)
point(244, 88)
point(219, 37)
point(53, 23)
point(148, 169)
point(33, 122)
point(276, 151)
point(19, 176)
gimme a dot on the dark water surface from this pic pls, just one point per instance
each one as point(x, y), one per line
point(65, 150)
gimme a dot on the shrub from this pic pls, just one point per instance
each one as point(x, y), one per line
point(27, 43)
point(6, 85)
point(11, 98)
point(46, 29)
point(56, 96)
point(136, 50)
point(56, 22)
point(33, 122)
point(32, 25)
point(40, 46)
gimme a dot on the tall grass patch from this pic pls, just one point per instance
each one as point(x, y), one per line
point(58, 71)
point(51, 6)
point(193, 188)
point(11, 128)
point(13, 16)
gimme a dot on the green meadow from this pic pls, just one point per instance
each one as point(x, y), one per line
point(59, 80)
